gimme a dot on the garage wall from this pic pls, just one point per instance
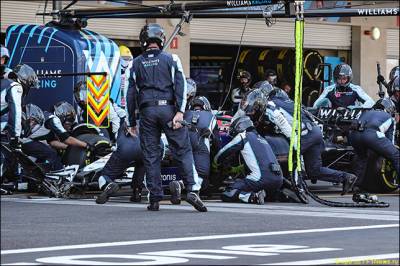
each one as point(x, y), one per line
point(228, 31)
point(392, 44)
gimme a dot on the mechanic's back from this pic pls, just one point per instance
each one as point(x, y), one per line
point(157, 83)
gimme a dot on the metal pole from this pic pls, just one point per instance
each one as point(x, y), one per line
point(72, 74)
point(172, 8)
point(57, 5)
point(224, 13)
point(185, 18)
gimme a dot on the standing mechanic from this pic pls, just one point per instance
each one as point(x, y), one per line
point(238, 93)
point(343, 93)
point(265, 172)
point(279, 111)
point(5, 55)
point(157, 86)
point(128, 153)
point(13, 90)
point(126, 64)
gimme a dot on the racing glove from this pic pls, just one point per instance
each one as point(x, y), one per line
point(380, 79)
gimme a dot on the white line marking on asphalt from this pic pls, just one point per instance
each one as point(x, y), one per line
point(195, 238)
point(23, 263)
point(370, 260)
point(242, 208)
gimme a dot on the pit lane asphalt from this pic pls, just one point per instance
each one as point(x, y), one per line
point(46, 231)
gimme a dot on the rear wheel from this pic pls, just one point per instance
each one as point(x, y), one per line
point(380, 175)
point(76, 155)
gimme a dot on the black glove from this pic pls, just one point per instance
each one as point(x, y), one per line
point(15, 143)
point(380, 79)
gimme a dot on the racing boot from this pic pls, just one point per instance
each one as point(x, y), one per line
point(348, 183)
point(175, 187)
point(193, 199)
point(153, 206)
point(137, 195)
point(110, 189)
point(365, 197)
point(258, 197)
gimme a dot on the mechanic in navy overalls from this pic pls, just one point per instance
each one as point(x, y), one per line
point(202, 131)
point(55, 131)
point(33, 132)
point(343, 93)
point(198, 141)
point(13, 90)
point(376, 132)
point(279, 111)
point(157, 86)
point(128, 153)
point(265, 172)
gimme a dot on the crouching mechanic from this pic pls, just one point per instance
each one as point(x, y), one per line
point(265, 172)
point(279, 111)
point(343, 93)
point(203, 128)
point(33, 120)
point(375, 131)
point(128, 153)
point(57, 127)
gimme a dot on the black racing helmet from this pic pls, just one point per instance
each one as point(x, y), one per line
point(65, 112)
point(32, 119)
point(239, 125)
point(200, 101)
point(26, 76)
point(254, 102)
point(395, 84)
point(385, 104)
point(394, 73)
point(191, 88)
point(343, 70)
point(152, 32)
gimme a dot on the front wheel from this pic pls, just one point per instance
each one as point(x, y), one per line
point(77, 155)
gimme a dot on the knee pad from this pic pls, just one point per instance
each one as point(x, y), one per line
point(230, 195)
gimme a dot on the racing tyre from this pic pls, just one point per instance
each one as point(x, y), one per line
point(380, 176)
point(76, 155)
